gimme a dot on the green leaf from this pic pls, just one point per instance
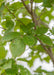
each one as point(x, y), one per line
point(0, 40)
point(41, 30)
point(11, 71)
point(2, 52)
point(39, 70)
point(24, 29)
point(16, 5)
point(25, 21)
point(2, 62)
point(40, 48)
point(17, 26)
point(23, 70)
point(17, 47)
point(8, 64)
point(1, 8)
point(47, 3)
point(46, 40)
point(30, 25)
point(38, 1)
point(29, 40)
point(53, 50)
point(10, 36)
point(3, 24)
point(23, 59)
point(27, 28)
point(9, 23)
point(47, 59)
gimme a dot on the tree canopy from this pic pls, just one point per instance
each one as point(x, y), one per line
point(26, 30)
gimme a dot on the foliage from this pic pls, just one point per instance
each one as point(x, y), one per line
point(28, 29)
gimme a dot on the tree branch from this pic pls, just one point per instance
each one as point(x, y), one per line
point(33, 15)
point(34, 18)
point(31, 1)
point(48, 50)
point(27, 7)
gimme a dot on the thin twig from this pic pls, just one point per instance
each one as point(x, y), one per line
point(31, 1)
point(14, 15)
point(33, 15)
point(2, 28)
point(43, 23)
point(26, 6)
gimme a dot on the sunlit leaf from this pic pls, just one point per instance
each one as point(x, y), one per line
point(17, 47)
point(46, 40)
point(2, 52)
point(10, 36)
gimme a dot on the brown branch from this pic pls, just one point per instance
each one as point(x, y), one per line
point(14, 15)
point(33, 15)
point(27, 7)
point(42, 12)
point(34, 18)
point(31, 1)
point(48, 50)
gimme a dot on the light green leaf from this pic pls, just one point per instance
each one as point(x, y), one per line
point(39, 70)
point(2, 62)
point(17, 26)
point(7, 65)
point(47, 59)
point(10, 36)
point(1, 8)
point(53, 50)
point(25, 21)
point(2, 52)
point(15, 6)
point(17, 47)
point(46, 40)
